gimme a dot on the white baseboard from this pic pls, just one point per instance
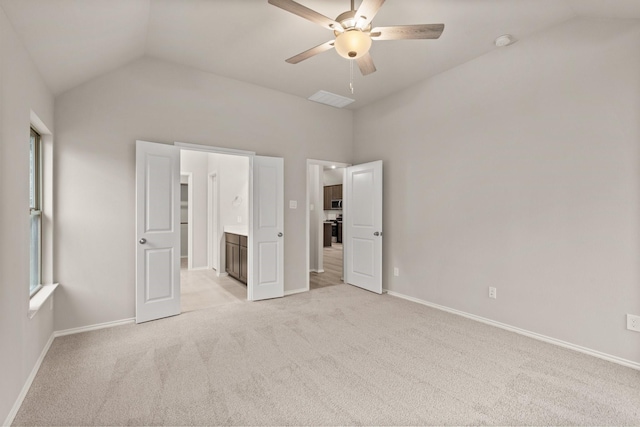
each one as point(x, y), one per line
point(295, 291)
point(199, 268)
point(27, 384)
point(316, 271)
point(93, 327)
point(534, 335)
point(223, 274)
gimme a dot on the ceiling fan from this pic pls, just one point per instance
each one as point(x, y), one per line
point(354, 33)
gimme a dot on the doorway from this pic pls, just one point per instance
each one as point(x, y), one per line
point(325, 204)
point(208, 182)
point(157, 213)
point(185, 231)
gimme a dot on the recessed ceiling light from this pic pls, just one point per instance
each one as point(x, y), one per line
point(333, 166)
point(505, 40)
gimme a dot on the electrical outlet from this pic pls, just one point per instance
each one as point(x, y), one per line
point(633, 322)
point(493, 293)
point(396, 271)
point(293, 204)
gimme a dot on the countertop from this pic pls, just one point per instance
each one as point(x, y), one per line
point(236, 229)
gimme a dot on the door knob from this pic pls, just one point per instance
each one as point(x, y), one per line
point(377, 233)
point(280, 234)
point(143, 241)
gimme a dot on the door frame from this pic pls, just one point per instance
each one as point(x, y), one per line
point(321, 163)
point(189, 177)
point(233, 152)
point(213, 219)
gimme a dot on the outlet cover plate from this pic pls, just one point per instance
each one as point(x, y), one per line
point(493, 293)
point(633, 322)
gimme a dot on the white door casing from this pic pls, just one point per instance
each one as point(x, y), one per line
point(363, 226)
point(213, 215)
point(266, 241)
point(157, 231)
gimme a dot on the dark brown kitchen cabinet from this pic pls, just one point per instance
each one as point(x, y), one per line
point(236, 256)
point(332, 192)
point(327, 234)
point(327, 198)
point(336, 191)
point(339, 231)
point(243, 259)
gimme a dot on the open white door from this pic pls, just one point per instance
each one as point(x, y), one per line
point(267, 242)
point(363, 226)
point(157, 231)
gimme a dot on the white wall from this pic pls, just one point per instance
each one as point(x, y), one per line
point(23, 339)
point(234, 190)
point(97, 124)
point(233, 185)
point(333, 176)
point(520, 170)
point(233, 196)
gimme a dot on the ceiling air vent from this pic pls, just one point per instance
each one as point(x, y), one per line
point(328, 98)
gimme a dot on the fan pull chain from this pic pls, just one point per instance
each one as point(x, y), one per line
point(351, 76)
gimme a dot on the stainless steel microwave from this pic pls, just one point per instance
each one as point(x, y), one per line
point(336, 204)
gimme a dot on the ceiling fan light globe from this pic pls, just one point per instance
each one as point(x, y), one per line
point(352, 44)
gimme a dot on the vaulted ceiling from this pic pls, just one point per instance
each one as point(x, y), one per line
point(73, 41)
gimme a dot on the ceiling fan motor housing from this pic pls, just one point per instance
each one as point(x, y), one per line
point(353, 42)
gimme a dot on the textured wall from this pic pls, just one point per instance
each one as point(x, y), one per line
point(97, 124)
point(21, 91)
point(519, 170)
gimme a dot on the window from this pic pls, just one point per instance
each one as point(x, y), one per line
point(35, 212)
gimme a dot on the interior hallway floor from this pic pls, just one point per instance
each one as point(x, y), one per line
point(200, 289)
point(332, 264)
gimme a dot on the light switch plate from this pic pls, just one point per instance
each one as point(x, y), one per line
point(293, 204)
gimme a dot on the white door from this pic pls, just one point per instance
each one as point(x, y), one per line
point(266, 266)
point(363, 226)
point(157, 231)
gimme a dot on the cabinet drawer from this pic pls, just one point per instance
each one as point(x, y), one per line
point(232, 238)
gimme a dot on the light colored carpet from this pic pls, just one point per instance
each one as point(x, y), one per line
point(335, 356)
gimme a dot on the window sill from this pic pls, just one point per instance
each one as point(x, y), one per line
point(40, 297)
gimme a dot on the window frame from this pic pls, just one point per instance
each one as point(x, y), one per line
point(35, 208)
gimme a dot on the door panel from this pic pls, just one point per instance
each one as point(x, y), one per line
point(362, 226)
point(363, 262)
point(157, 231)
point(158, 279)
point(267, 242)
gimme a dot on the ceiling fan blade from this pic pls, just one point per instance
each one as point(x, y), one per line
point(311, 52)
point(366, 65)
point(408, 32)
point(306, 13)
point(367, 11)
